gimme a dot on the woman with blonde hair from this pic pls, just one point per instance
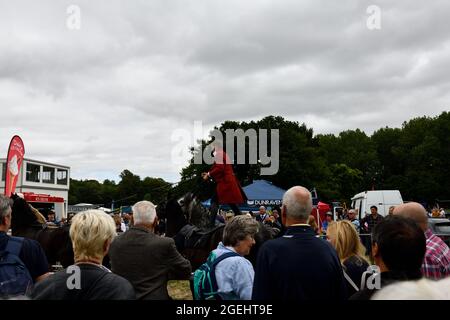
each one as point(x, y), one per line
point(91, 232)
point(344, 238)
point(312, 222)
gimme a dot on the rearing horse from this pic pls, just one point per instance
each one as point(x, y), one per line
point(55, 241)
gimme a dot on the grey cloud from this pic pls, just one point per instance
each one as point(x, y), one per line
point(109, 96)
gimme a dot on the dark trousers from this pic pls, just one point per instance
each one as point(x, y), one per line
point(215, 207)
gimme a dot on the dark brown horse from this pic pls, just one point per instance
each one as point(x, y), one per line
point(189, 223)
point(55, 241)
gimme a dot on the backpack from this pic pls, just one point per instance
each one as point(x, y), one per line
point(205, 284)
point(14, 276)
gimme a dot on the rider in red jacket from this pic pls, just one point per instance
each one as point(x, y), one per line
point(228, 190)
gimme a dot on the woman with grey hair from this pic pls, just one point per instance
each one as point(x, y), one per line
point(234, 275)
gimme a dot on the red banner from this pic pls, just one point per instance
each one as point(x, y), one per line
point(33, 197)
point(14, 160)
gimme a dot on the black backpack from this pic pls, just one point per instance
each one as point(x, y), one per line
point(205, 284)
point(14, 276)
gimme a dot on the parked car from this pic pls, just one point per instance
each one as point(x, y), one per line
point(441, 228)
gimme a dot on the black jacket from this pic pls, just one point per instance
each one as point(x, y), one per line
point(386, 279)
point(95, 283)
point(298, 266)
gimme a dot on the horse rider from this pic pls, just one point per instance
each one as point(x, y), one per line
point(228, 190)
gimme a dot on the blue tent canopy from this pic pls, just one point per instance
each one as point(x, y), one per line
point(259, 193)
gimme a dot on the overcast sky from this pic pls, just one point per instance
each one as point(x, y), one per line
point(108, 96)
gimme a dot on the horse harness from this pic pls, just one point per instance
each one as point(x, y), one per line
point(196, 238)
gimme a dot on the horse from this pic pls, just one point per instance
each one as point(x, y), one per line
point(28, 223)
point(188, 223)
point(194, 237)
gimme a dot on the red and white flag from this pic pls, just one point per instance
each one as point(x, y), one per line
point(16, 152)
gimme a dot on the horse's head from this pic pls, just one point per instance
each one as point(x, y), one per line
point(22, 215)
point(186, 203)
point(161, 211)
point(264, 233)
point(27, 222)
point(174, 216)
point(161, 228)
point(194, 211)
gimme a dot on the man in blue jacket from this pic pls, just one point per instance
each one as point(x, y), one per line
point(298, 265)
point(29, 251)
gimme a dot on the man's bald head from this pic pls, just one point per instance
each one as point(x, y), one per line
point(297, 204)
point(415, 211)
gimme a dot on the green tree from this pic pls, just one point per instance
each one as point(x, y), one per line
point(414, 159)
point(298, 157)
point(155, 189)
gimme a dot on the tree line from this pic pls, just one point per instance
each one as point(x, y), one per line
point(129, 190)
point(414, 159)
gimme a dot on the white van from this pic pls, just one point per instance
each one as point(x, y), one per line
point(382, 199)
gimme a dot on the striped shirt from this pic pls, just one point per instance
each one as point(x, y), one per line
point(436, 264)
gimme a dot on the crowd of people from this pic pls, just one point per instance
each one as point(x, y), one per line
point(298, 264)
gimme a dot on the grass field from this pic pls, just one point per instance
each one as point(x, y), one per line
point(179, 290)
